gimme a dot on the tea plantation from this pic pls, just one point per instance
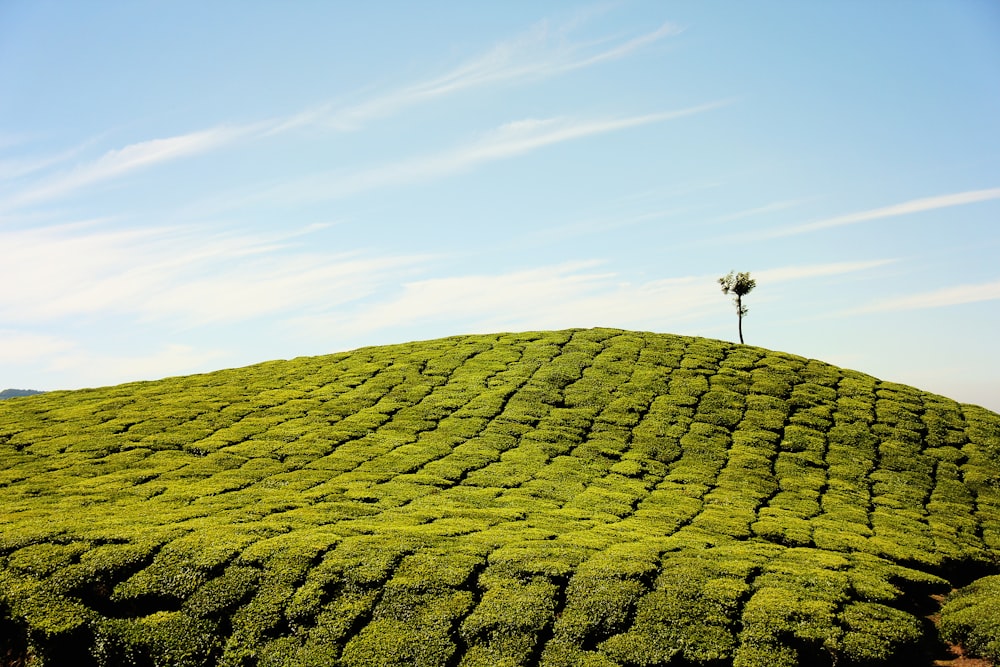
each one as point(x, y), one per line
point(585, 497)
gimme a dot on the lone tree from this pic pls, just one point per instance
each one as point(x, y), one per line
point(739, 284)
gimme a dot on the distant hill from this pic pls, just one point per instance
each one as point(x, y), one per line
point(585, 497)
point(13, 393)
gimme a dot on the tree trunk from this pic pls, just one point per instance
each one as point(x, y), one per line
point(739, 312)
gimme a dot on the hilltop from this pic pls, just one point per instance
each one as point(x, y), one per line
point(584, 497)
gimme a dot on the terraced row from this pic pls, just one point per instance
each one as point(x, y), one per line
point(584, 497)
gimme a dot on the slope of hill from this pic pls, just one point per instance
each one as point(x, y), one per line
point(585, 497)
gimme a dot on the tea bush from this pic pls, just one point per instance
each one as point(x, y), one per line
point(971, 616)
point(583, 497)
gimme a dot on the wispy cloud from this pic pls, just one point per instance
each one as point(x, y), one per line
point(525, 293)
point(276, 285)
point(12, 169)
point(119, 162)
point(510, 140)
point(905, 208)
point(789, 273)
point(23, 347)
point(626, 48)
point(169, 359)
point(586, 227)
point(532, 56)
point(758, 210)
point(558, 296)
point(527, 135)
point(535, 55)
point(940, 298)
point(182, 275)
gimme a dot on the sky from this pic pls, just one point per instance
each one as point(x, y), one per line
point(190, 186)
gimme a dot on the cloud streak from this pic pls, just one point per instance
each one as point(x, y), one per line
point(790, 273)
point(23, 348)
point(529, 57)
point(904, 208)
point(759, 210)
point(133, 157)
point(510, 140)
point(940, 298)
point(558, 296)
point(180, 275)
point(17, 168)
point(170, 359)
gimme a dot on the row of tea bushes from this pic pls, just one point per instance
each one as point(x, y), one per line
point(583, 497)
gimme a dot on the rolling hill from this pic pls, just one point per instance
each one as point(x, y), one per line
point(14, 393)
point(584, 497)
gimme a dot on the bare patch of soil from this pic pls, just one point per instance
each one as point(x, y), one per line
point(961, 660)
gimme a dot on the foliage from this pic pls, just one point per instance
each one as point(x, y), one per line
point(971, 617)
point(582, 497)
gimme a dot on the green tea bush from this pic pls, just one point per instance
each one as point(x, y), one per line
point(971, 617)
point(772, 381)
point(691, 621)
point(783, 626)
point(583, 497)
point(495, 634)
point(162, 639)
point(876, 633)
point(765, 412)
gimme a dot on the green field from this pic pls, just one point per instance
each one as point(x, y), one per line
point(587, 497)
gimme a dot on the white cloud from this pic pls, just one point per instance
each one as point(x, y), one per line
point(598, 225)
point(509, 140)
point(624, 49)
point(759, 210)
point(940, 298)
point(528, 57)
point(523, 294)
point(788, 273)
point(527, 135)
point(19, 347)
point(275, 285)
point(177, 274)
point(11, 169)
point(119, 162)
point(59, 270)
point(905, 208)
point(559, 296)
point(105, 369)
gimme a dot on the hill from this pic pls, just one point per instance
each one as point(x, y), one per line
point(17, 393)
point(584, 497)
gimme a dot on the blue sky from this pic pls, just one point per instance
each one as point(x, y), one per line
point(188, 186)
